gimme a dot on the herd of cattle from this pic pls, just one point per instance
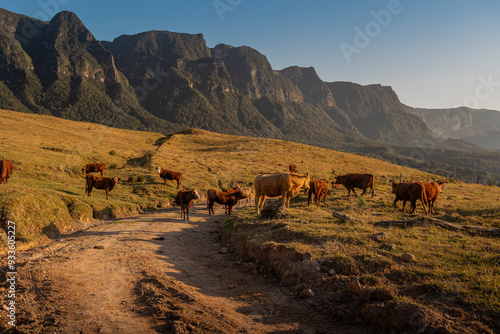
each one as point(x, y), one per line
point(286, 185)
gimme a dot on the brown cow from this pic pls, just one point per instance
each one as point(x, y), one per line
point(409, 191)
point(228, 199)
point(185, 199)
point(293, 168)
point(432, 190)
point(98, 182)
point(319, 188)
point(286, 185)
point(357, 180)
point(6, 168)
point(93, 168)
point(247, 192)
point(166, 174)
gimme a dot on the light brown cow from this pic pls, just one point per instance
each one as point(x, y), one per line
point(410, 191)
point(432, 190)
point(286, 185)
point(6, 168)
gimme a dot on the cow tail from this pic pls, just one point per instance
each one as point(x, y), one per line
point(425, 202)
point(373, 185)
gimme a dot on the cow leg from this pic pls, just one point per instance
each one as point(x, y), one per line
point(364, 192)
point(413, 206)
point(404, 204)
point(354, 192)
point(107, 193)
point(187, 212)
point(259, 202)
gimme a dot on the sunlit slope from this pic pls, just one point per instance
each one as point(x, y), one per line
point(48, 154)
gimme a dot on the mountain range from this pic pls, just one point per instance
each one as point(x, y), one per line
point(166, 82)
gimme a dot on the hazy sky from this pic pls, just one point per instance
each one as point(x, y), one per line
point(435, 54)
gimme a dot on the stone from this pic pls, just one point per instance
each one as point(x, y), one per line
point(355, 287)
point(272, 210)
point(332, 272)
point(307, 257)
point(407, 257)
point(224, 250)
point(379, 236)
point(308, 293)
point(388, 246)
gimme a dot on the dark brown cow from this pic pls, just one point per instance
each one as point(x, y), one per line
point(98, 182)
point(409, 191)
point(228, 199)
point(357, 180)
point(318, 188)
point(94, 168)
point(6, 168)
point(247, 192)
point(293, 168)
point(185, 199)
point(166, 174)
point(432, 190)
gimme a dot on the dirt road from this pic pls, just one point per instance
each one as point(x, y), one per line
point(148, 274)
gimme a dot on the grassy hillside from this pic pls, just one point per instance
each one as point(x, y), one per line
point(46, 194)
point(48, 154)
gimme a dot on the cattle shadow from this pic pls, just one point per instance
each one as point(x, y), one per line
point(69, 192)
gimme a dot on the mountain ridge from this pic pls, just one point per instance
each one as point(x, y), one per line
point(166, 81)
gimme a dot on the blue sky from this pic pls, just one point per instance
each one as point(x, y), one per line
point(435, 54)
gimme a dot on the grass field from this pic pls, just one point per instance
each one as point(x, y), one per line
point(46, 194)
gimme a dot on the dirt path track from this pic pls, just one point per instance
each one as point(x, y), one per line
point(152, 273)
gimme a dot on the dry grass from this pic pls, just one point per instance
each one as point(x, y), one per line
point(451, 267)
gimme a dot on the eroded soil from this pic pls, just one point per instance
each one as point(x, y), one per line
point(148, 274)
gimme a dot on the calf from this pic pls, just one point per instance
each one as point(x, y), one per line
point(93, 168)
point(293, 168)
point(107, 183)
point(432, 190)
point(248, 194)
point(357, 180)
point(412, 192)
point(166, 174)
point(228, 199)
point(6, 168)
point(318, 188)
point(185, 199)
